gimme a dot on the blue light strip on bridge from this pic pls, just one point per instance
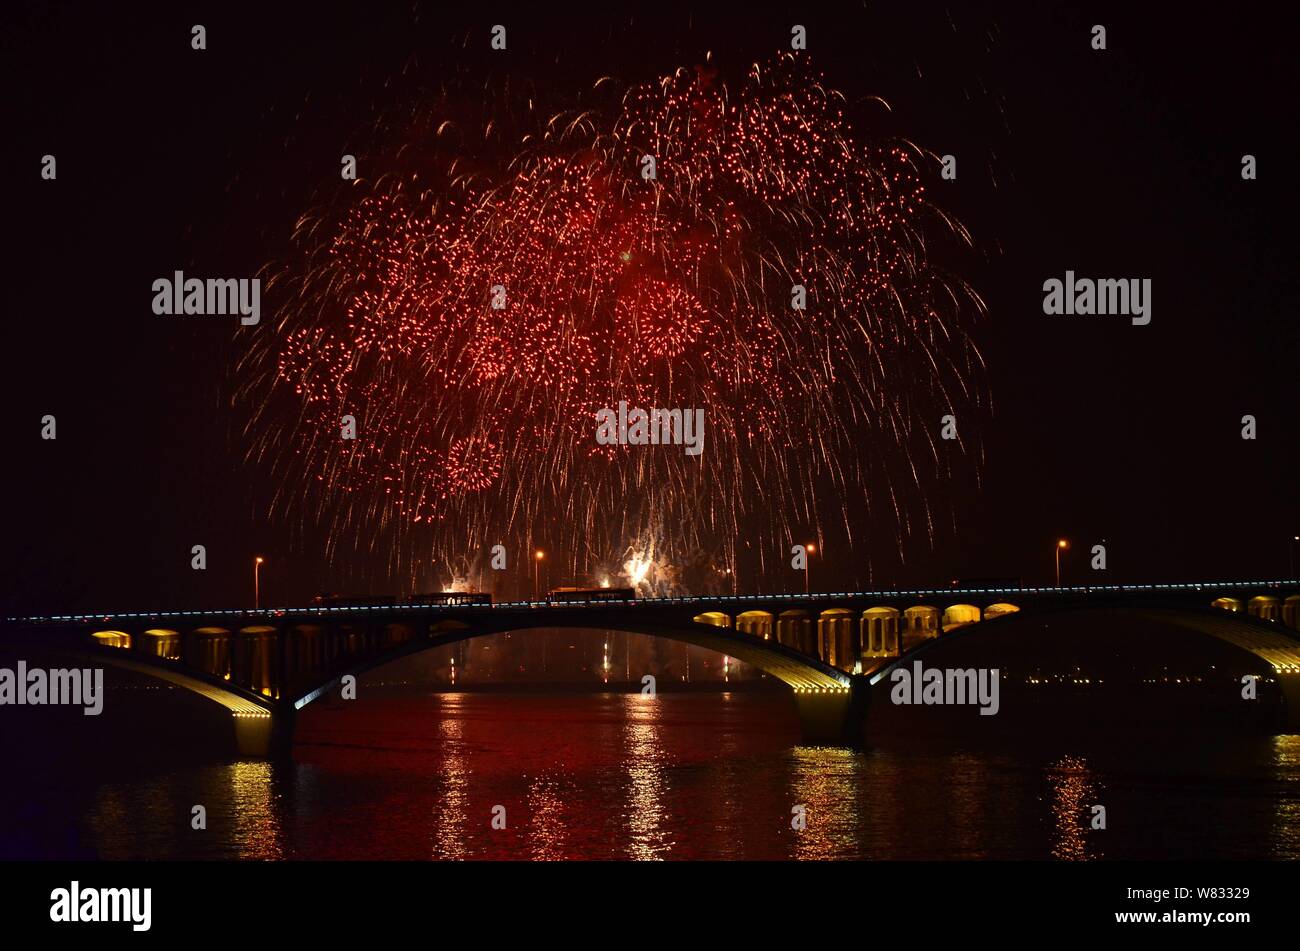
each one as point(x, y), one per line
point(273, 613)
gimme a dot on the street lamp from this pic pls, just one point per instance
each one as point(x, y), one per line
point(537, 571)
point(807, 566)
point(1294, 539)
point(1060, 545)
point(257, 594)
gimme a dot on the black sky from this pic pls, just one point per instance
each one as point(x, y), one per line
point(1122, 163)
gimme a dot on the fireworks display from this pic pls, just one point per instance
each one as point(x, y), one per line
point(494, 280)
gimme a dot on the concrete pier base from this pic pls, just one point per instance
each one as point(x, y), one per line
point(834, 718)
point(1290, 718)
point(265, 737)
point(254, 735)
point(280, 738)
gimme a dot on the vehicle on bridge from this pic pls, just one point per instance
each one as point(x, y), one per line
point(572, 595)
point(451, 598)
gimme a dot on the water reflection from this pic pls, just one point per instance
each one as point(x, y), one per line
point(108, 817)
point(154, 815)
point(1074, 793)
point(682, 776)
point(451, 799)
point(730, 794)
point(827, 782)
point(254, 805)
point(546, 820)
point(972, 805)
point(645, 775)
point(1286, 809)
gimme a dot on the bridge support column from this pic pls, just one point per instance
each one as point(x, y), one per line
point(283, 721)
point(265, 737)
point(254, 735)
point(834, 718)
point(1290, 719)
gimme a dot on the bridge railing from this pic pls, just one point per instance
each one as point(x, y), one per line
point(274, 614)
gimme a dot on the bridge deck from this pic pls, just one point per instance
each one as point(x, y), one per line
point(828, 598)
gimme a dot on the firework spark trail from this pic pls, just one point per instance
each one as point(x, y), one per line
point(476, 425)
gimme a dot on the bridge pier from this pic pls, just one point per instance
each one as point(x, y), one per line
point(1289, 681)
point(254, 735)
point(279, 740)
point(267, 736)
point(834, 717)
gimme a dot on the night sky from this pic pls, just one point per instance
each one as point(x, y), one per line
point(1123, 163)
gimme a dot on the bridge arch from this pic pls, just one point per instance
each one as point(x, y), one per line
point(786, 663)
point(251, 715)
point(1227, 604)
point(397, 633)
point(1291, 612)
point(920, 622)
point(120, 639)
point(209, 649)
point(255, 658)
point(715, 618)
point(307, 646)
point(794, 628)
point(1265, 607)
point(959, 615)
point(837, 638)
point(161, 642)
point(1249, 634)
point(879, 628)
point(999, 610)
point(756, 623)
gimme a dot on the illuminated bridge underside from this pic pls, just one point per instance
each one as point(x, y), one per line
point(251, 720)
point(1271, 643)
point(1281, 651)
point(1278, 649)
point(790, 667)
point(223, 696)
point(785, 664)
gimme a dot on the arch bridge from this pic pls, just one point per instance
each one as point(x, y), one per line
point(265, 665)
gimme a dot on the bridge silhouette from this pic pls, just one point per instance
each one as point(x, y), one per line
point(831, 648)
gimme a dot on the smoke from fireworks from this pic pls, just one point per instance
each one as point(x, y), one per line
point(476, 425)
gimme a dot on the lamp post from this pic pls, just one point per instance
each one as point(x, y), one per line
point(1294, 539)
point(257, 594)
point(807, 566)
point(1061, 545)
point(537, 596)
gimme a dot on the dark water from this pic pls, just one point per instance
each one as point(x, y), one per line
point(601, 776)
